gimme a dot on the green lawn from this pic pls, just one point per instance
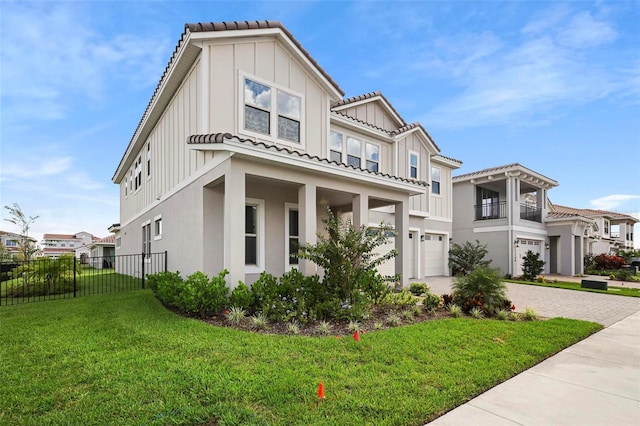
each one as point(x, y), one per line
point(617, 290)
point(124, 359)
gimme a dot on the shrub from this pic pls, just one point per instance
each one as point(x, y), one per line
point(604, 261)
point(502, 314)
point(293, 327)
point(622, 275)
point(44, 276)
point(467, 257)
point(432, 302)
point(447, 299)
point(324, 327)
point(236, 314)
point(454, 310)
point(259, 321)
point(419, 288)
point(394, 320)
point(398, 301)
point(532, 265)
point(529, 314)
point(482, 288)
point(353, 326)
point(241, 296)
point(167, 287)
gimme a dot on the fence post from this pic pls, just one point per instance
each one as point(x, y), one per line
point(74, 276)
point(142, 269)
point(165, 261)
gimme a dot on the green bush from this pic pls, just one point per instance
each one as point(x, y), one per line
point(44, 276)
point(432, 302)
point(398, 301)
point(482, 288)
point(419, 288)
point(532, 265)
point(241, 297)
point(466, 257)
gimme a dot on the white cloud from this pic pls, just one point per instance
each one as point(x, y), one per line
point(612, 201)
point(33, 168)
point(547, 69)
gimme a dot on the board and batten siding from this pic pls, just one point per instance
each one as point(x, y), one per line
point(268, 61)
point(171, 159)
point(441, 205)
point(373, 113)
point(412, 143)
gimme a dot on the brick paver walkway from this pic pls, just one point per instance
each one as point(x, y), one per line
point(554, 302)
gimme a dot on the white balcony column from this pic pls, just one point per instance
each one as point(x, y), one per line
point(308, 220)
point(402, 241)
point(360, 205)
point(234, 207)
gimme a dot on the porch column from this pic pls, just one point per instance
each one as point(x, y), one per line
point(402, 241)
point(360, 204)
point(234, 212)
point(307, 217)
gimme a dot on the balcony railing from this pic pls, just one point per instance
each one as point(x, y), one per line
point(491, 211)
point(530, 213)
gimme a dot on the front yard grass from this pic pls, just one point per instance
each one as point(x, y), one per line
point(619, 291)
point(124, 359)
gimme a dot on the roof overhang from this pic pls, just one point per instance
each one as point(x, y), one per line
point(512, 171)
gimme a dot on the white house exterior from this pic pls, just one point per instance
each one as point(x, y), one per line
point(102, 253)
point(55, 245)
point(505, 208)
point(245, 137)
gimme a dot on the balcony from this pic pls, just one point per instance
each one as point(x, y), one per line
point(491, 211)
point(531, 213)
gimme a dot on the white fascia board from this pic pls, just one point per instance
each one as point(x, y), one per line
point(504, 228)
point(386, 106)
point(182, 46)
point(431, 147)
point(261, 154)
point(281, 36)
point(445, 162)
point(344, 121)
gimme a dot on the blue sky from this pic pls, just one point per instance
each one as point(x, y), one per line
point(553, 86)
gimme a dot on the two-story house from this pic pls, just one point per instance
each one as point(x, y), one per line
point(13, 244)
point(78, 244)
point(245, 137)
point(505, 208)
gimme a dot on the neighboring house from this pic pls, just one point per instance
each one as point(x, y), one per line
point(246, 136)
point(55, 245)
point(12, 242)
point(607, 232)
point(103, 252)
point(505, 208)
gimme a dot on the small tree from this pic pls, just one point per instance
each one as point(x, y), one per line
point(532, 265)
point(18, 218)
point(467, 257)
point(482, 288)
point(346, 254)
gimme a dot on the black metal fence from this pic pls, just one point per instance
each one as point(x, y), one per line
point(67, 277)
point(488, 211)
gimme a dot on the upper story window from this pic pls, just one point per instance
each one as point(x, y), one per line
point(413, 165)
point(351, 151)
point(149, 159)
point(606, 227)
point(435, 180)
point(10, 243)
point(260, 101)
point(138, 173)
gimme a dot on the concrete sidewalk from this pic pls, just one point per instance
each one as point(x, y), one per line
point(594, 382)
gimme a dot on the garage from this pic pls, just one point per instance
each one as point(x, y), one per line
point(389, 267)
point(434, 255)
point(523, 245)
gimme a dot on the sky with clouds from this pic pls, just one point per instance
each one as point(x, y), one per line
point(553, 86)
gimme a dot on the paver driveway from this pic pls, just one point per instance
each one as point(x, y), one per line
point(555, 302)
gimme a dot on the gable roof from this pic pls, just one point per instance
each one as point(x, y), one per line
point(182, 58)
point(370, 97)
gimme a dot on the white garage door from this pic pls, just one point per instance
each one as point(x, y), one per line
point(389, 267)
point(434, 255)
point(522, 247)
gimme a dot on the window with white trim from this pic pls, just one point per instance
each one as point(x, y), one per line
point(138, 173)
point(435, 180)
point(146, 238)
point(157, 228)
point(606, 227)
point(413, 165)
point(118, 242)
point(261, 101)
point(351, 150)
point(254, 235)
point(11, 243)
point(292, 237)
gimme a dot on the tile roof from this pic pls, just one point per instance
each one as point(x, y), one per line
point(447, 158)
point(365, 123)
point(506, 167)
point(58, 250)
point(223, 137)
point(256, 25)
point(59, 237)
point(570, 211)
point(364, 97)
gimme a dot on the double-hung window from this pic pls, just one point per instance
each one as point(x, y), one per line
point(149, 160)
point(435, 180)
point(272, 111)
point(413, 165)
point(138, 173)
point(351, 150)
point(292, 237)
point(254, 228)
point(157, 227)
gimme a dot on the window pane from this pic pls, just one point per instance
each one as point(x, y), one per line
point(354, 147)
point(414, 160)
point(293, 251)
point(335, 141)
point(288, 129)
point(435, 174)
point(414, 172)
point(289, 105)
point(373, 166)
point(250, 215)
point(257, 94)
point(256, 119)
point(435, 187)
point(250, 250)
point(335, 156)
point(373, 152)
point(293, 223)
point(353, 161)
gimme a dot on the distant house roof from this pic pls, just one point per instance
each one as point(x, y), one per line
point(513, 167)
point(51, 250)
point(219, 138)
point(59, 237)
point(564, 211)
point(110, 239)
